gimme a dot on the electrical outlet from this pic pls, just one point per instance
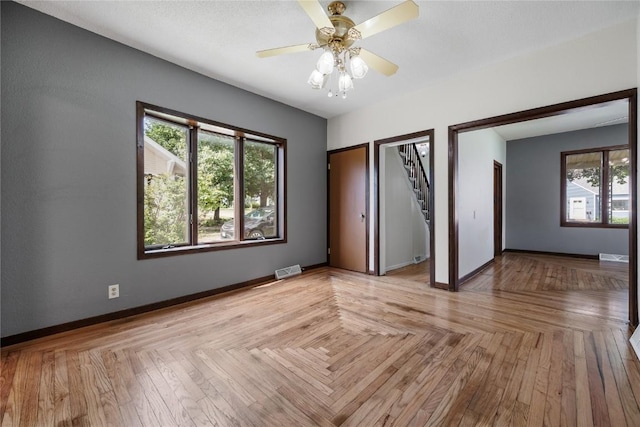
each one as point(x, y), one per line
point(114, 291)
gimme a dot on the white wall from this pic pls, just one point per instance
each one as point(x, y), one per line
point(635, 339)
point(476, 152)
point(638, 160)
point(598, 63)
point(405, 230)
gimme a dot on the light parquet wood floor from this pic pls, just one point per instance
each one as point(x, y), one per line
point(531, 341)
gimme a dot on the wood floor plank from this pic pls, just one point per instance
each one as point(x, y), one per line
point(418, 392)
point(553, 404)
point(13, 405)
point(568, 414)
point(46, 394)
point(599, 409)
point(164, 391)
point(7, 372)
point(223, 407)
point(612, 391)
point(62, 408)
point(532, 340)
point(162, 409)
point(77, 400)
point(95, 410)
point(583, 389)
point(627, 399)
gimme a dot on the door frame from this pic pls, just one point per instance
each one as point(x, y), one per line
point(498, 200)
point(536, 113)
point(379, 145)
point(366, 202)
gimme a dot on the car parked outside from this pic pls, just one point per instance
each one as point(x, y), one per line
point(258, 224)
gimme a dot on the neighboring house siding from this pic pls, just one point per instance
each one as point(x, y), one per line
point(591, 201)
point(158, 160)
point(533, 195)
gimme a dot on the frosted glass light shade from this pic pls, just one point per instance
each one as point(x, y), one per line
point(325, 63)
point(345, 83)
point(359, 68)
point(317, 80)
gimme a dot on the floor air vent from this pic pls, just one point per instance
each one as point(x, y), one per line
point(614, 257)
point(283, 273)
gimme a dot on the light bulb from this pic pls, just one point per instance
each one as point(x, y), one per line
point(345, 83)
point(359, 68)
point(317, 80)
point(325, 63)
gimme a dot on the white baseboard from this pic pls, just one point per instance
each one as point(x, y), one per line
point(635, 342)
point(403, 264)
point(614, 257)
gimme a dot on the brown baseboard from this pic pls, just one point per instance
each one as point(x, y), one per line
point(116, 315)
point(474, 272)
point(440, 285)
point(526, 251)
point(314, 266)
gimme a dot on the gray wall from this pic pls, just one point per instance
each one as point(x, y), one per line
point(69, 175)
point(533, 195)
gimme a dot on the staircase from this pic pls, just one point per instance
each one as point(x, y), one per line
point(417, 177)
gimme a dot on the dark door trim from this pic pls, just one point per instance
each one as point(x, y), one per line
point(537, 113)
point(367, 223)
point(498, 194)
point(376, 195)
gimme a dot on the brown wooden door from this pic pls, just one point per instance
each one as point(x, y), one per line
point(497, 209)
point(348, 219)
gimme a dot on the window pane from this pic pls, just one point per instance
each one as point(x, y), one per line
point(583, 187)
point(215, 187)
point(260, 190)
point(619, 187)
point(165, 185)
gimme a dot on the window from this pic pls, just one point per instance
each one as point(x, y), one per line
point(199, 182)
point(586, 202)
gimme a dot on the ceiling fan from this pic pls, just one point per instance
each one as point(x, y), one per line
point(336, 34)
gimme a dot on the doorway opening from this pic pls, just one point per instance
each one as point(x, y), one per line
point(403, 183)
point(497, 208)
point(564, 110)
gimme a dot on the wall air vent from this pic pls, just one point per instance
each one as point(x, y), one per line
point(283, 273)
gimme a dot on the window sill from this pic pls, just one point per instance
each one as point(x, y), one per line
point(593, 225)
point(208, 247)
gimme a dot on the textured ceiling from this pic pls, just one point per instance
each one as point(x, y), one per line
point(606, 114)
point(219, 39)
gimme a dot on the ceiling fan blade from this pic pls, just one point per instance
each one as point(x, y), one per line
point(378, 63)
point(283, 50)
point(388, 19)
point(317, 14)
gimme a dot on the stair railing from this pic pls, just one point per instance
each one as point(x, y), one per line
point(417, 176)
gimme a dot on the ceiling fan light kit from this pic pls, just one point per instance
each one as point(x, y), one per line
point(337, 59)
point(335, 34)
